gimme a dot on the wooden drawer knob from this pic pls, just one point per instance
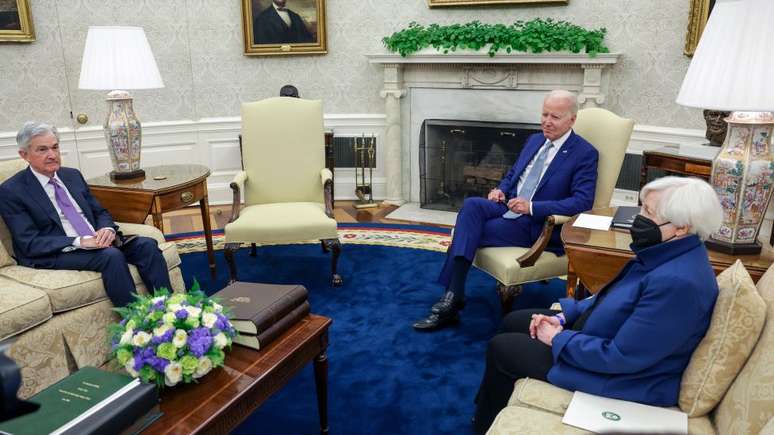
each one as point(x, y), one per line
point(186, 197)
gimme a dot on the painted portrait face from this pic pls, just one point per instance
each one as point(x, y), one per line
point(43, 154)
point(280, 3)
point(556, 117)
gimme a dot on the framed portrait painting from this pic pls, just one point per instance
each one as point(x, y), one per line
point(434, 3)
point(697, 19)
point(282, 27)
point(16, 21)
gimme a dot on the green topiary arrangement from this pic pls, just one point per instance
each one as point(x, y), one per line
point(535, 36)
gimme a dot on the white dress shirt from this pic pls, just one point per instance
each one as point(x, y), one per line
point(549, 158)
point(283, 14)
point(66, 225)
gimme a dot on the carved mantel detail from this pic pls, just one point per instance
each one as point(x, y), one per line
point(580, 73)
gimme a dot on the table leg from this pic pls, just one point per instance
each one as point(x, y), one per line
point(321, 383)
point(572, 281)
point(204, 205)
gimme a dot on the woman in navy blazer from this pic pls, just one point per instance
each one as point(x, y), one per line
point(634, 338)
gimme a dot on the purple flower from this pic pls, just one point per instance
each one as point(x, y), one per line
point(181, 314)
point(199, 341)
point(158, 364)
point(158, 306)
point(222, 322)
point(165, 338)
point(141, 357)
point(122, 322)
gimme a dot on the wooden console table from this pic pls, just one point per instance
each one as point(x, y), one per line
point(165, 188)
point(595, 257)
point(225, 397)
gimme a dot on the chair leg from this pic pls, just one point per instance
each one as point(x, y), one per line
point(253, 251)
point(228, 251)
point(507, 293)
point(335, 246)
point(324, 248)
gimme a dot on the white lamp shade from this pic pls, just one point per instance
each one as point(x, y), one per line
point(118, 58)
point(733, 66)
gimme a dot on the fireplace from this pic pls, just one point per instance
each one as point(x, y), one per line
point(458, 159)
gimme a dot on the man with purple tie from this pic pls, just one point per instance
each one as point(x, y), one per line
point(56, 223)
point(556, 173)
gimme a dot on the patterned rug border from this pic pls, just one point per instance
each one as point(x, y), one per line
point(395, 235)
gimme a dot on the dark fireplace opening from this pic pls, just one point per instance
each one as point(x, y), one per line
point(458, 159)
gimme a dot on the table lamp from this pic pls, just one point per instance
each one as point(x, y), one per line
point(731, 70)
point(119, 58)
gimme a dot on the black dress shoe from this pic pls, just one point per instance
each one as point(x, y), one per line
point(444, 313)
point(448, 301)
point(437, 321)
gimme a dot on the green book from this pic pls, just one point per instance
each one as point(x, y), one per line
point(70, 400)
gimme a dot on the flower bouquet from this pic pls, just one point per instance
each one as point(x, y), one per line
point(168, 338)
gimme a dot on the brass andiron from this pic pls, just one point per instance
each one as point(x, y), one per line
point(365, 151)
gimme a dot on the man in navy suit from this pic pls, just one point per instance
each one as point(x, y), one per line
point(556, 173)
point(56, 223)
point(279, 25)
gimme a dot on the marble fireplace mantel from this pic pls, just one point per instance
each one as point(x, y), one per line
point(468, 70)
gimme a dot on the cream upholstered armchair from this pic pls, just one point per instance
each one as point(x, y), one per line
point(287, 189)
point(514, 266)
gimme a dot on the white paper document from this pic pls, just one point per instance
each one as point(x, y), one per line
point(605, 415)
point(593, 222)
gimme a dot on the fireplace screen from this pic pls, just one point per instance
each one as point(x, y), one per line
point(458, 159)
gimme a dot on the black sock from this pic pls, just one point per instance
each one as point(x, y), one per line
point(459, 273)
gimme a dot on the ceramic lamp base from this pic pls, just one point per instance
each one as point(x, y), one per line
point(131, 175)
point(733, 248)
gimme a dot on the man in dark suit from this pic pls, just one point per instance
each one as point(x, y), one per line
point(56, 223)
point(556, 173)
point(279, 25)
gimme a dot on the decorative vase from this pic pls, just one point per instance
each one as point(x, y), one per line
point(742, 176)
point(124, 136)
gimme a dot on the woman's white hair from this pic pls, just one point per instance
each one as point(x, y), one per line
point(31, 129)
point(686, 201)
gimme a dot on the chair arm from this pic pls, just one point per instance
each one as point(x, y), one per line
point(531, 256)
point(327, 180)
point(237, 185)
point(141, 230)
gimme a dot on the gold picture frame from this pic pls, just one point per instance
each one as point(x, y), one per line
point(16, 21)
point(697, 19)
point(437, 3)
point(270, 32)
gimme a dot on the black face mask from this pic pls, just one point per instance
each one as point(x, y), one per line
point(645, 232)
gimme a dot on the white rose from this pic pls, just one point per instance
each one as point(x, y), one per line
point(205, 365)
point(141, 338)
point(168, 318)
point(193, 312)
point(161, 330)
point(181, 337)
point(218, 308)
point(220, 340)
point(130, 324)
point(129, 367)
point(209, 319)
point(127, 337)
point(172, 374)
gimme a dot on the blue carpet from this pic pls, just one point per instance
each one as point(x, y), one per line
point(384, 377)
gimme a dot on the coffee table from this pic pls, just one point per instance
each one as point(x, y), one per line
point(226, 396)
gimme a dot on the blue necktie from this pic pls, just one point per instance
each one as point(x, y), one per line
point(533, 178)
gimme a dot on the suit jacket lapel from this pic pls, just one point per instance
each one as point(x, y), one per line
point(36, 192)
point(559, 159)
